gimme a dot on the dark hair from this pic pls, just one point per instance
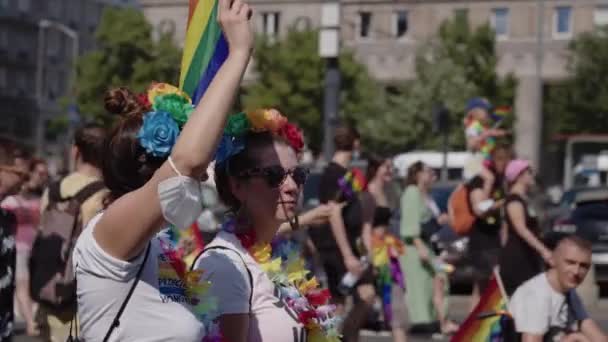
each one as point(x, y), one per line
point(125, 165)
point(373, 164)
point(243, 161)
point(89, 141)
point(345, 137)
point(412, 173)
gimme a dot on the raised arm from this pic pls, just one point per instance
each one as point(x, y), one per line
point(132, 220)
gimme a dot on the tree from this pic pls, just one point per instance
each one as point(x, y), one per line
point(580, 103)
point(459, 65)
point(126, 56)
point(290, 77)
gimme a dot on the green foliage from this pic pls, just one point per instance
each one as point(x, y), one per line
point(580, 104)
point(291, 77)
point(459, 65)
point(126, 56)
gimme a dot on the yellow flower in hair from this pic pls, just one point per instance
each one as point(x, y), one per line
point(266, 120)
point(308, 286)
point(158, 89)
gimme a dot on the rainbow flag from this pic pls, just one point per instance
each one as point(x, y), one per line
point(205, 49)
point(501, 112)
point(485, 323)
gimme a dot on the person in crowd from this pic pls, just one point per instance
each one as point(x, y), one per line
point(85, 153)
point(486, 197)
point(152, 164)
point(338, 242)
point(26, 207)
point(425, 282)
point(480, 135)
point(385, 247)
point(12, 176)
point(523, 253)
point(260, 183)
point(547, 307)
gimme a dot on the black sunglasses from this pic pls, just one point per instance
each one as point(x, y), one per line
point(276, 175)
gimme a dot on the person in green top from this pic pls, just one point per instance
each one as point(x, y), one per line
point(425, 287)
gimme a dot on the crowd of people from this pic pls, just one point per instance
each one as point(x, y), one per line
point(87, 255)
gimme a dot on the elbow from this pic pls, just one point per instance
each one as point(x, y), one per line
point(188, 164)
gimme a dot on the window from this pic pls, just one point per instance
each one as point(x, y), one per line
point(23, 5)
point(400, 24)
point(54, 8)
point(562, 22)
point(365, 21)
point(600, 16)
point(500, 22)
point(3, 38)
point(21, 82)
point(461, 14)
point(270, 23)
point(4, 4)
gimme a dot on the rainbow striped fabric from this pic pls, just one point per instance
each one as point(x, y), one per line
point(501, 112)
point(205, 49)
point(485, 323)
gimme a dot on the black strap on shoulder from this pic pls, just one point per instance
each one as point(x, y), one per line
point(88, 191)
point(244, 264)
point(55, 192)
point(116, 321)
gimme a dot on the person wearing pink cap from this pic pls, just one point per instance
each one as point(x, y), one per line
point(523, 252)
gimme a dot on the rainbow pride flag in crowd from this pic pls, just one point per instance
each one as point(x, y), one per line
point(500, 113)
point(485, 323)
point(205, 49)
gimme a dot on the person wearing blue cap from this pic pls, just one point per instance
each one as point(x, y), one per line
point(481, 137)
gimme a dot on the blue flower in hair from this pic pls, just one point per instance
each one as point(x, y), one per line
point(158, 133)
point(229, 146)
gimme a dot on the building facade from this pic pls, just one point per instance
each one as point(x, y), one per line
point(386, 33)
point(20, 107)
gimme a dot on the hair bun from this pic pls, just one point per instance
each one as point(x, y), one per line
point(122, 101)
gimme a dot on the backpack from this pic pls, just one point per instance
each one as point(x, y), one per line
point(461, 215)
point(52, 278)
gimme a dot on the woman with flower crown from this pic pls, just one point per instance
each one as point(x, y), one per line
point(130, 284)
point(262, 297)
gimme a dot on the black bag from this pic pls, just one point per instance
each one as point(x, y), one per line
point(428, 229)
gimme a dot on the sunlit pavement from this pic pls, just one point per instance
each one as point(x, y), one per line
point(459, 307)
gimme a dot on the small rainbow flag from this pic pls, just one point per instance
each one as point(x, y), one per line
point(205, 49)
point(353, 182)
point(501, 112)
point(485, 323)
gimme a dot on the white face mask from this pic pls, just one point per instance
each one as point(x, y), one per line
point(180, 199)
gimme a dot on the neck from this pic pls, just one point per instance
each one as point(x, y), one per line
point(423, 188)
point(342, 158)
point(375, 186)
point(88, 170)
point(554, 281)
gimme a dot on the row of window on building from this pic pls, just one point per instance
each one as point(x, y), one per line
point(562, 22)
point(20, 82)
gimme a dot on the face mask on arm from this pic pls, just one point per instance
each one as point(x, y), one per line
point(180, 199)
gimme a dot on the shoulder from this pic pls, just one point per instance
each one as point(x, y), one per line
point(532, 291)
point(411, 191)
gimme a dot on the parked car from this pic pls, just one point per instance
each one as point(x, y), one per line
point(589, 220)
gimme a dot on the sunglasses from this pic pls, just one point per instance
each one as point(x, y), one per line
point(276, 175)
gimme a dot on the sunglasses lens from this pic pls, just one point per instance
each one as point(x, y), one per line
point(300, 175)
point(275, 176)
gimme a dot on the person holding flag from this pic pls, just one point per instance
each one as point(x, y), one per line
point(131, 286)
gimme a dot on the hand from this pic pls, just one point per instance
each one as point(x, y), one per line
point(548, 257)
point(424, 255)
point(575, 337)
point(497, 132)
point(353, 265)
point(234, 20)
point(443, 219)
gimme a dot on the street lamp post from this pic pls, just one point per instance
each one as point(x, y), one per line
point(329, 49)
point(73, 35)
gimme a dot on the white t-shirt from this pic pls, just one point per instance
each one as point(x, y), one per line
point(158, 310)
point(536, 307)
point(271, 319)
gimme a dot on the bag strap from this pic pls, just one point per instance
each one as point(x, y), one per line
point(89, 190)
point(55, 192)
point(244, 264)
point(116, 321)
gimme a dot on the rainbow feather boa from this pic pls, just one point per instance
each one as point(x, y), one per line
point(386, 249)
point(297, 289)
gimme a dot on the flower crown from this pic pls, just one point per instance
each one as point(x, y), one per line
point(168, 110)
point(260, 120)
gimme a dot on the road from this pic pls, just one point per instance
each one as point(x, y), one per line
point(459, 305)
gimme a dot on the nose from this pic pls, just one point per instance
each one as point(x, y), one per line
point(290, 186)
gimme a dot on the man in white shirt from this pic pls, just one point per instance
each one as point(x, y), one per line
point(547, 307)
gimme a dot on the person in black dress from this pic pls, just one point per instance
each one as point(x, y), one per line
point(11, 178)
point(523, 253)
